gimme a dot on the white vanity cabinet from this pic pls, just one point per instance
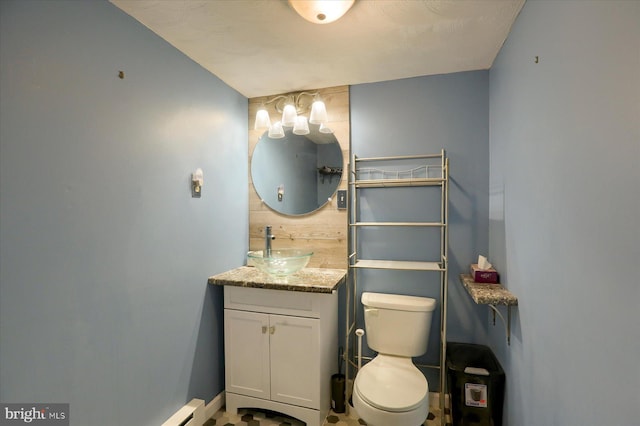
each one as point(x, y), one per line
point(280, 351)
point(268, 356)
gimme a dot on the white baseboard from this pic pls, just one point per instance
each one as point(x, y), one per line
point(197, 411)
point(216, 404)
point(191, 414)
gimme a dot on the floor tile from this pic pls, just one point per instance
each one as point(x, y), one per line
point(251, 417)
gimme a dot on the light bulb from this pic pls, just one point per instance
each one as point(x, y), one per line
point(325, 129)
point(301, 127)
point(262, 119)
point(318, 113)
point(276, 131)
point(289, 115)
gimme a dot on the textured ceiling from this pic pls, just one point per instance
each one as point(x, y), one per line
point(262, 47)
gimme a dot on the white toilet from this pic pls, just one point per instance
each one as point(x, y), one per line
point(390, 390)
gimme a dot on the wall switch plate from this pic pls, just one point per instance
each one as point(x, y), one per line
point(342, 199)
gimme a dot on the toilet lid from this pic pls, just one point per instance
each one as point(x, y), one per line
point(394, 389)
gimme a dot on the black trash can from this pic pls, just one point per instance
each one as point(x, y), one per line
point(476, 383)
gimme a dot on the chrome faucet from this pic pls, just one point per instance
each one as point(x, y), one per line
point(268, 237)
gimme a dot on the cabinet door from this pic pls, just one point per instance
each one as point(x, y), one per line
point(246, 352)
point(295, 361)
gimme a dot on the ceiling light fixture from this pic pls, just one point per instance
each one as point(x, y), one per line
point(321, 11)
point(291, 106)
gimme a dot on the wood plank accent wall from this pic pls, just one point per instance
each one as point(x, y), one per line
point(323, 231)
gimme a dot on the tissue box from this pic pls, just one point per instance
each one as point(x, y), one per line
point(484, 276)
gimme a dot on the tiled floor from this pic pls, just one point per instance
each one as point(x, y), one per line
point(247, 417)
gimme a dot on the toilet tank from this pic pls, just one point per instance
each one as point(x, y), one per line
point(397, 324)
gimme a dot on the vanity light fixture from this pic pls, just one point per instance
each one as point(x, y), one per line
point(291, 106)
point(321, 11)
point(325, 129)
point(262, 119)
point(318, 113)
point(301, 126)
point(276, 131)
point(289, 115)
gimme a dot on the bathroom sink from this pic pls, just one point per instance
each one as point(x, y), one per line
point(281, 262)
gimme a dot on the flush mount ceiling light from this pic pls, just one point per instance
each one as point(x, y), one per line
point(321, 11)
point(291, 106)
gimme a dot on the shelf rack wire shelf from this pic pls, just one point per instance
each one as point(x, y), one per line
point(361, 177)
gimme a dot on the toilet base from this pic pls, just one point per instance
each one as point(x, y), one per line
point(376, 417)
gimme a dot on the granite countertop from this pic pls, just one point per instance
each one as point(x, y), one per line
point(488, 294)
point(313, 280)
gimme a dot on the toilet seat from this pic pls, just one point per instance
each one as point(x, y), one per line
point(392, 384)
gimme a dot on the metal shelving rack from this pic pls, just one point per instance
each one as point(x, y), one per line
point(360, 178)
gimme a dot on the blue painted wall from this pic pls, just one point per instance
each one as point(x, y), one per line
point(421, 116)
point(104, 255)
point(565, 211)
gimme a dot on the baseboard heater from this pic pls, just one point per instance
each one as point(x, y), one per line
point(191, 414)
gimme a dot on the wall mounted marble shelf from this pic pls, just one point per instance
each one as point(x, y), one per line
point(492, 295)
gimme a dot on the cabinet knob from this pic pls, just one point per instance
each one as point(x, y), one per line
point(264, 329)
point(272, 329)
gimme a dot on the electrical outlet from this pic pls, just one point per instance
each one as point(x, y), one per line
point(342, 199)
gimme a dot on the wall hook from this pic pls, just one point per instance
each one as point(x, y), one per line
point(197, 180)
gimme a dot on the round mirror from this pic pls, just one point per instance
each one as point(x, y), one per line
point(297, 175)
